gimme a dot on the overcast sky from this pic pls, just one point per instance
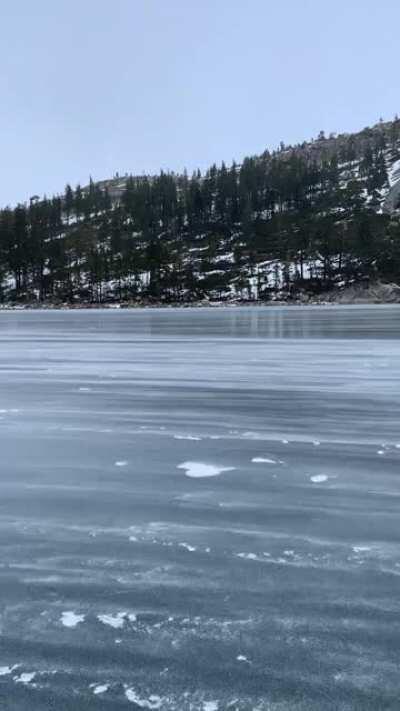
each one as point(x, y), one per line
point(92, 87)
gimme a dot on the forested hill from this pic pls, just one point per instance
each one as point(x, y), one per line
point(297, 221)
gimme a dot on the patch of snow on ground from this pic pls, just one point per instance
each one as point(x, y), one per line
point(318, 478)
point(121, 463)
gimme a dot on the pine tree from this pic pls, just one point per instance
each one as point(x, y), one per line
point(68, 202)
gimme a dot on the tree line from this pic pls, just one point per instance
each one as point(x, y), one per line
point(302, 218)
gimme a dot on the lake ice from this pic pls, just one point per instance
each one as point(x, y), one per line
point(200, 509)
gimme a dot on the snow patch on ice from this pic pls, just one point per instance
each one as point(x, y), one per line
point(116, 621)
point(71, 619)
point(7, 670)
point(153, 702)
point(25, 678)
point(99, 688)
point(199, 470)
point(263, 460)
point(247, 556)
point(121, 463)
point(319, 478)
point(191, 437)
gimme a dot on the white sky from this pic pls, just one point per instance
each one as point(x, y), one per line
point(94, 87)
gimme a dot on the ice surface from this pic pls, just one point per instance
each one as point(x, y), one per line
point(144, 580)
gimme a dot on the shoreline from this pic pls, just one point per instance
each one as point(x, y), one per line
point(198, 305)
point(376, 293)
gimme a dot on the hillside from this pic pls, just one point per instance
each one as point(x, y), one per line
point(295, 223)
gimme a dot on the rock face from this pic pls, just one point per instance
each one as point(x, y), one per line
point(377, 293)
point(392, 200)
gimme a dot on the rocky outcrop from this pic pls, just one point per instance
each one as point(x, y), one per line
point(392, 200)
point(377, 293)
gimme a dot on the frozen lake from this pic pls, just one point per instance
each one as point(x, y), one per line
point(199, 509)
